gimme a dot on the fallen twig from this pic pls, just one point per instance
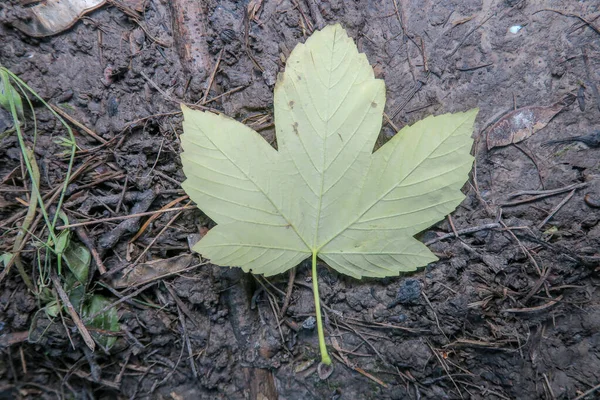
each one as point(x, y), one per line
point(212, 77)
point(465, 231)
point(534, 309)
point(556, 208)
point(535, 195)
point(122, 217)
point(78, 124)
point(184, 332)
point(587, 393)
point(87, 338)
point(116, 303)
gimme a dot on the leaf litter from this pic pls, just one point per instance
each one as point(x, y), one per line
point(522, 123)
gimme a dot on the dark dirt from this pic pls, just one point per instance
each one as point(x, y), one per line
point(505, 314)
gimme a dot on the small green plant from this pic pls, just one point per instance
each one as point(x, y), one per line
point(324, 193)
point(59, 247)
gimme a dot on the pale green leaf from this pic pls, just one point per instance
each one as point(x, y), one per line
point(5, 259)
point(9, 94)
point(78, 259)
point(324, 191)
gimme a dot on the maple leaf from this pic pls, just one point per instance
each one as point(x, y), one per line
point(324, 192)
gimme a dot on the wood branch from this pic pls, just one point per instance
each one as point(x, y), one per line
point(189, 31)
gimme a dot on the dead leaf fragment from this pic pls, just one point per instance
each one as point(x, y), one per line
point(520, 124)
point(253, 7)
point(463, 20)
point(54, 16)
point(151, 270)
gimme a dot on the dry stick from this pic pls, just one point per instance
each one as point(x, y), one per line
point(103, 178)
point(281, 292)
point(116, 303)
point(590, 82)
point(167, 177)
point(136, 18)
point(82, 235)
point(550, 192)
point(122, 217)
point(212, 76)
point(398, 16)
point(453, 227)
point(170, 374)
point(184, 309)
point(360, 335)
point(103, 382)
point(537, 285)
point(540, 194)
point(479, 26)
point(485, 390)
point(585, 394)
point(464, 69)
point(585, 21)
point(316, 13)
point(469, 34)
point(474, 229)
point(184, 332)
point(360, 371)
point(523, 248)
point(78, 124)
point(443, 364)
point(307, 22)
point(288, 292)
point(171, 98)
point(235, 89)
point(119, 377)
point(548, 386)
point(137, 121)
point(399, 11)
point(577, 27)
point(116, 293)
point(52, 195)
point(381, 325)
point(78, 323)
point(155, 216)
point(555, 209)
point(533, 160)
point(437, 321)
point(534, 309)
point(389, 121)
point(417, 86)
point(273, 303)
point(137, 260)
point(120, 203)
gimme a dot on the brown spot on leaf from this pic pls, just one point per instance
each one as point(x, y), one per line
point(291, 104)
point(373, 104)
point(295, 127)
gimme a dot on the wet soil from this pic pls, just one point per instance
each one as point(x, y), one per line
point(511, 310)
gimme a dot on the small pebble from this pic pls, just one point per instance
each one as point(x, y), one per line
point(515, 29)
point(309, 323)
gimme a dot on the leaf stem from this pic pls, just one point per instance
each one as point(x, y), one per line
point(324, 356)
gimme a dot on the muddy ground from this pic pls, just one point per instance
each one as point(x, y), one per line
point(509, 312)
